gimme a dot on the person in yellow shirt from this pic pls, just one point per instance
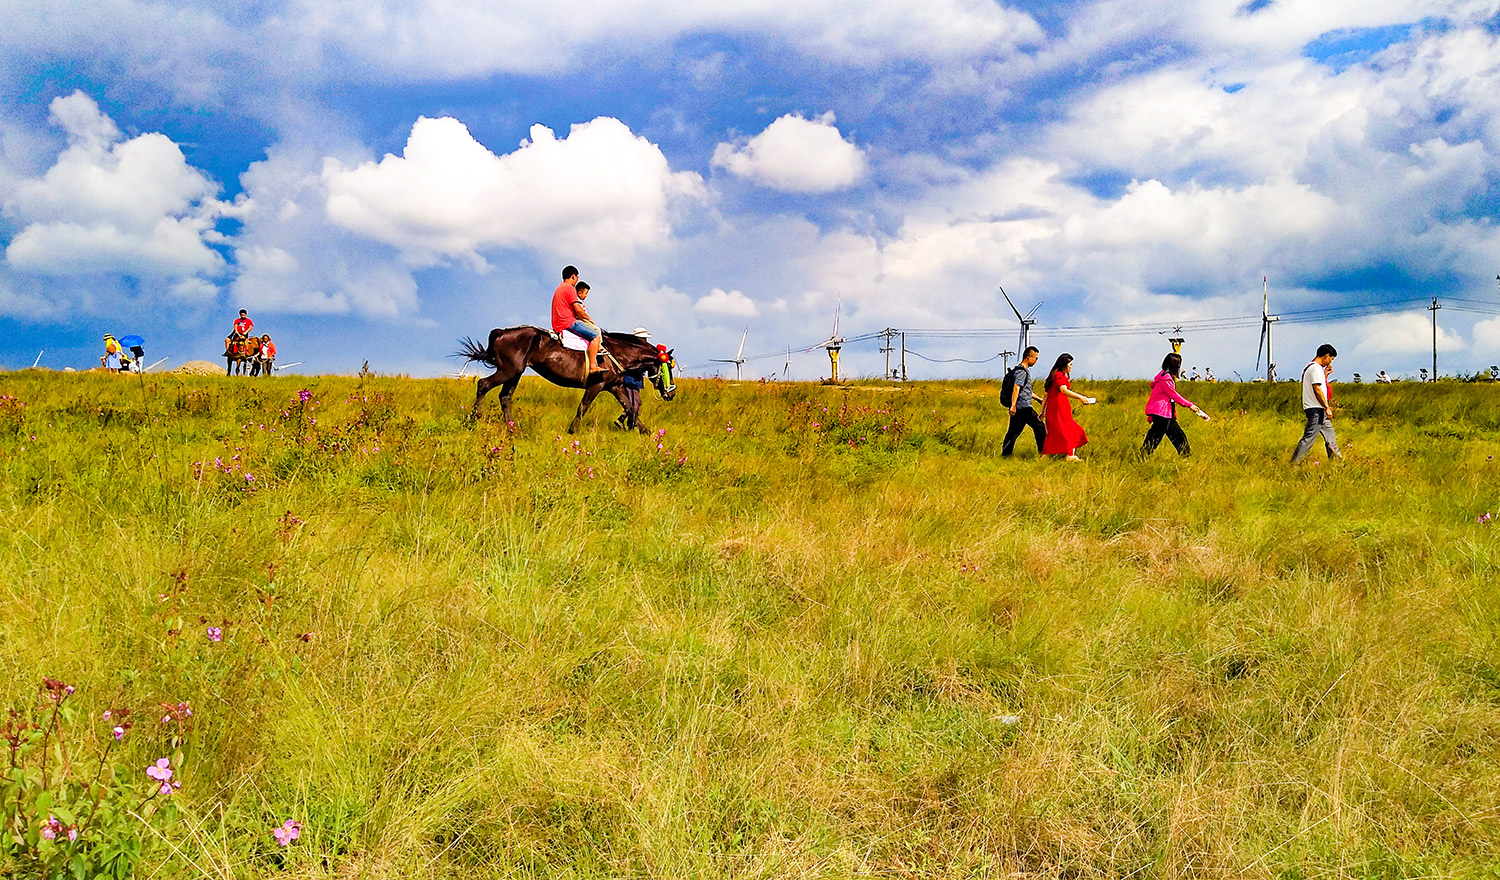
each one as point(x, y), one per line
point(114, 354)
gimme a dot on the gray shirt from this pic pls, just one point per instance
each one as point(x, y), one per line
point(1021, 375)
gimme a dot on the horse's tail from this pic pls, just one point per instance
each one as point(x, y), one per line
point(471, 350)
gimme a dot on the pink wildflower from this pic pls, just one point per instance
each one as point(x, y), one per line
point(161, 771)
point(287, 832)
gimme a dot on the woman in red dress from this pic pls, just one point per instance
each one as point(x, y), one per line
point(1064, 435)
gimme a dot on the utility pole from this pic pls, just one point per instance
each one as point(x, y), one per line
point(886, 337)
point(1005, 360)
point(903, 357)
point(1434, 309)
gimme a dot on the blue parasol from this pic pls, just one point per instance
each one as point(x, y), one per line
point(132, 341)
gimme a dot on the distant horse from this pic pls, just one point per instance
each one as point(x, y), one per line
point(241, 356)
point(512, 350)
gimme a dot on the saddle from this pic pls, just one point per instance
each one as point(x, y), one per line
point(570, 341)
point(574, 342)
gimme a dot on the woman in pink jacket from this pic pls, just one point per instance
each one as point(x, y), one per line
point(1161, 408)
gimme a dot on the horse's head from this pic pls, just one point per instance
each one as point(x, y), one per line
point(661, 376)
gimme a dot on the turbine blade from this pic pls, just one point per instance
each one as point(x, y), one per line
point(1262, 344)
point(1011, 304)
point(741, 352)
point(1033, 311)
point(838, 306)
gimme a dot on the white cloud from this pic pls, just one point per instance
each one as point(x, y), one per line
point(457, 39)
point(203, 51)
point(796, 154)
point(17, 301)
point(110, 205)
point(726, 303)
point(291, 260)
point(597, 196)
point(1487, 337)
point(1406, 333)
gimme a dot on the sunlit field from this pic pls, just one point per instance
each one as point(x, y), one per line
point(796, 631)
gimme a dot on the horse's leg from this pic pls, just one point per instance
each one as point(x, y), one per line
point(481, 388)
point(583, 405)
point(506, 390)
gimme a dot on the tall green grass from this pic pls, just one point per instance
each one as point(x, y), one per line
point(806, 631)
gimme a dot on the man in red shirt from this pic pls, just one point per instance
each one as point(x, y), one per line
point(242, 327)
point(569, 316)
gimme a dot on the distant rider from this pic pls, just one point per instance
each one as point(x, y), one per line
point(569, 316)
point(242, 327)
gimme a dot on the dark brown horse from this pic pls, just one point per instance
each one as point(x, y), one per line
point(513, 349)
point(241, 355)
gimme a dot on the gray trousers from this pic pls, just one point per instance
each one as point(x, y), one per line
point(1317, 423)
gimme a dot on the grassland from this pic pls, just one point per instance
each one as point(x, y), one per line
point(805, 632)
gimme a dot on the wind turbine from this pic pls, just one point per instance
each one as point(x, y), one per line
point(739, 357)
point(1026, 320)
point(834, 343)
point(1266, 320)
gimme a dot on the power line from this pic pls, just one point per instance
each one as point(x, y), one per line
point(952, 360)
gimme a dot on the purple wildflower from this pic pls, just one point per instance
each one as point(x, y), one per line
point(215, 634)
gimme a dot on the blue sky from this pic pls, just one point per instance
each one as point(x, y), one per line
point(373, 179)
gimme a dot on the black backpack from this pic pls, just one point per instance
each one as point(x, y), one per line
point(1008, 387)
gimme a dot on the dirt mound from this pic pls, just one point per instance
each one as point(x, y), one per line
point(199, 368)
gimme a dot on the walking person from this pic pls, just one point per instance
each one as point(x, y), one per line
point(1017, 392)
point(631, 385)
point(1064, 435)
point(1316, 405)
point(1161, 409)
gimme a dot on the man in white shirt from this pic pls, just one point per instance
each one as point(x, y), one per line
point(1315, 405)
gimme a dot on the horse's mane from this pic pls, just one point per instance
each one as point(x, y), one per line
point(638, 345)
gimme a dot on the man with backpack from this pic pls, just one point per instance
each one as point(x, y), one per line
point(1017, 393)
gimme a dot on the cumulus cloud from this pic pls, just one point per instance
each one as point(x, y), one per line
point(598, 195)
point(110, 205)
point(1406, 333)
point(796, 154)
point(1487, 337)
point(726, 303)
point(291, 259)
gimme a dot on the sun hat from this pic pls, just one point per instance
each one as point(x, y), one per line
point(642, 332)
